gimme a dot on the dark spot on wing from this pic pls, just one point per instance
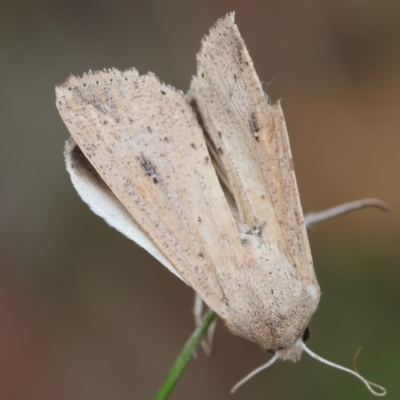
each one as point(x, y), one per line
point(149, 168)
point(256, 230)
point(254, 126)
point(239, 54)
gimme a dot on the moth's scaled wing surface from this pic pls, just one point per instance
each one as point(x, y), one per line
point(143, 139)
point(103, 202)
point(250, 137)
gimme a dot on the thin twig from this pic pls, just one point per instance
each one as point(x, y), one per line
point(185, 356)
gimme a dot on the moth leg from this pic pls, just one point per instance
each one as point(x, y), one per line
point(198, 308)
point(314, 218)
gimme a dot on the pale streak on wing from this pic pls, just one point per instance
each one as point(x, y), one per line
point(102, 201)
point(251, 138)
point(145, 142)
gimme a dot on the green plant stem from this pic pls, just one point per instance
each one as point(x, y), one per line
point(185, 356)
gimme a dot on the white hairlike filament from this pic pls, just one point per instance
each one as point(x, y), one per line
point(255, 372)
point(370, 385)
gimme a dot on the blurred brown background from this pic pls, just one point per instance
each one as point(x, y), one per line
point(86, 314)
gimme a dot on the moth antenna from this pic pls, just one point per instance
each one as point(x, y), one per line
point(255, 372)
point(370, 385)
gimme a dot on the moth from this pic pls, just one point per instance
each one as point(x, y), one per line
point(204, 182)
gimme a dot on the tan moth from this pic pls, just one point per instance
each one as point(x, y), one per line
point(204, 182)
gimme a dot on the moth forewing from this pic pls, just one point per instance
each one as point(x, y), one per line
point(102, 201)
point(143, 139)
point(291, 212)
point(250, 137)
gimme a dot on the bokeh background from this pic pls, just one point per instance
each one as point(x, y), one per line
point(85, 313)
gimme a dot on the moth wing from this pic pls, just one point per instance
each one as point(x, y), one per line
point(250, 137)
point(143, 139)
point(102, 201)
